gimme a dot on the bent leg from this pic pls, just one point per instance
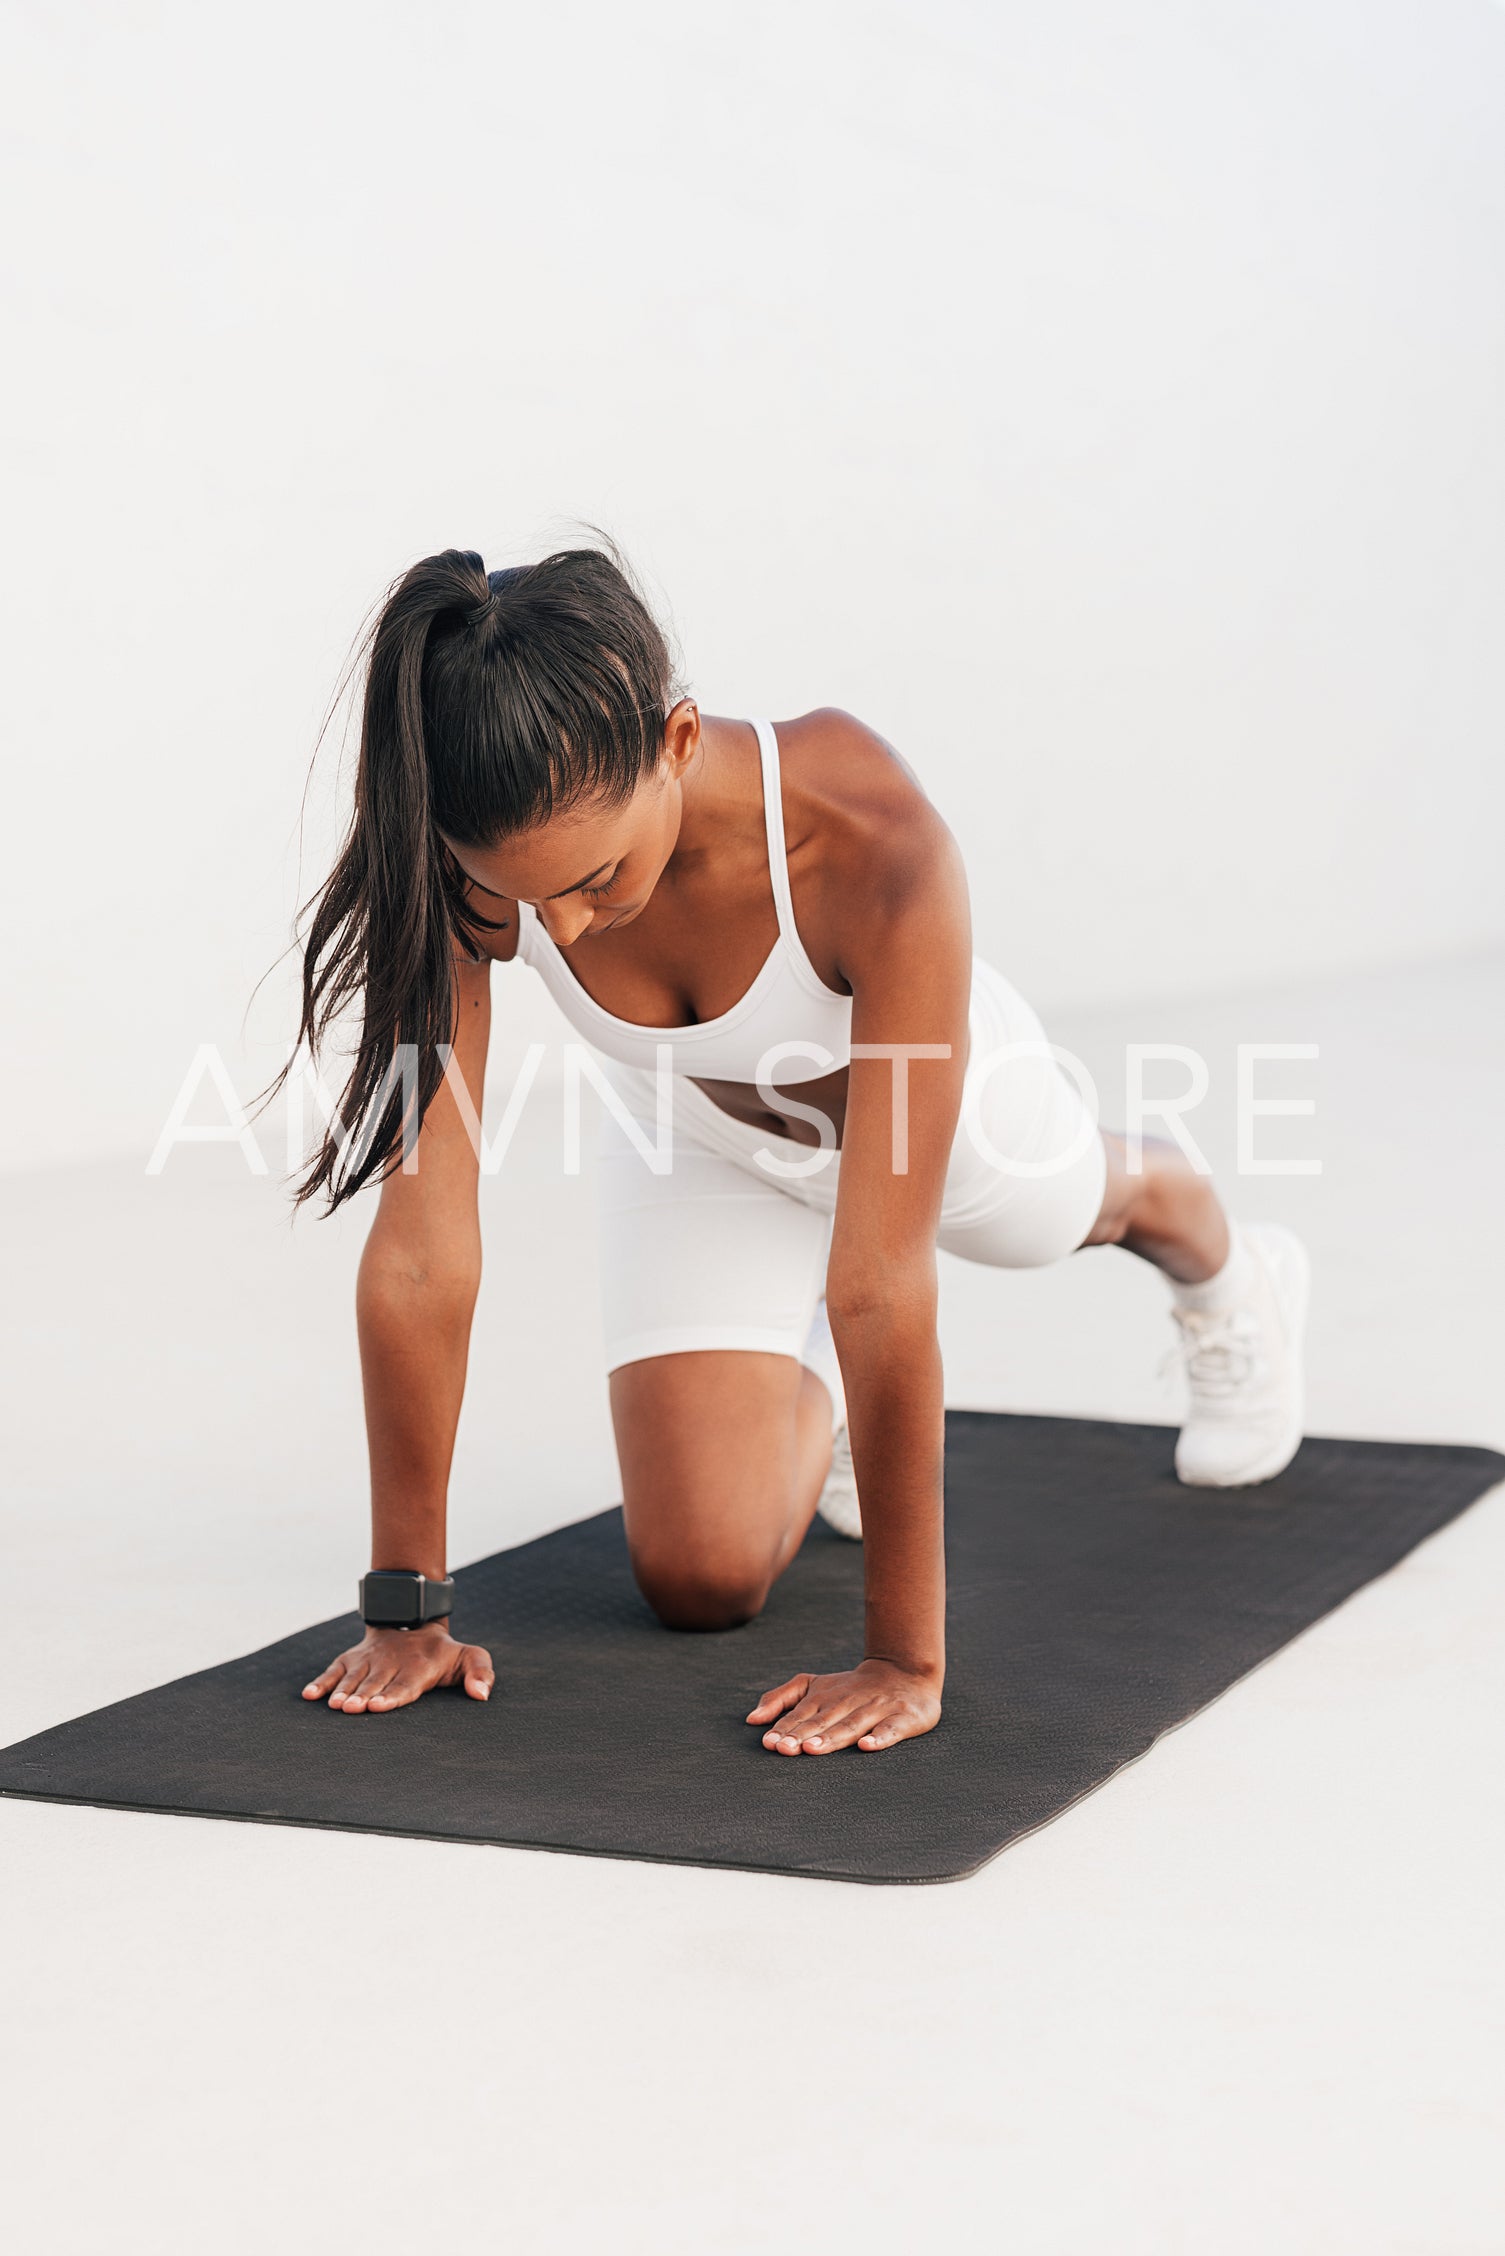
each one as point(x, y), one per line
point(722, 1452)
point(711, 1273)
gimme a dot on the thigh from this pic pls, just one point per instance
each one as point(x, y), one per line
point(707, 1254)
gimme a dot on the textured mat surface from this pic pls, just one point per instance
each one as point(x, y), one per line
point(1094, 1603)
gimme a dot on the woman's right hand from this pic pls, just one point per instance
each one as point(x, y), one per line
point(390, 1668)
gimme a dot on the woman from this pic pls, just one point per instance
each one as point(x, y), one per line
point(779, 918)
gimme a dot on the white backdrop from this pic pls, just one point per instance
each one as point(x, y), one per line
point(1102, 399)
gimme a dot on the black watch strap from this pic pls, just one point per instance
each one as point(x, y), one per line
point(396, 1598)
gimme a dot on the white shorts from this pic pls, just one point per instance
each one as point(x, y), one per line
point(723, 1251)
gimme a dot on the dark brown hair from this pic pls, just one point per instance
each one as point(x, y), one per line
point(492, 701)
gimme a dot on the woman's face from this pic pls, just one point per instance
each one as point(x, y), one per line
point(595, 866)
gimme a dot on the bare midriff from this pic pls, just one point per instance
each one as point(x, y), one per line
point(742, 1100)
point(828, 1094)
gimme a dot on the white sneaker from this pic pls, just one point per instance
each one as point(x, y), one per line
point(1243, 1366)
point(838, 1505)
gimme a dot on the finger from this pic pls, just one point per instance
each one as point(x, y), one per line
point(784, 1738)
point(885, 1734)
point(479, 1674)
point(808, 1719)
point(378, 1685)
point(837, 1727)
point(785, 1695)
point(812, 1726)
point(351, 1666)
point(846, 1729)
point(888, 1730)
point(781, 1697)
point(347, 1696)
point(325, 1683)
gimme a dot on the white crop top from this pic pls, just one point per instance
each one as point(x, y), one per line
point(786, 1004)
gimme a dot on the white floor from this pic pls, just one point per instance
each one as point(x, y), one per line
point(1248, 1998)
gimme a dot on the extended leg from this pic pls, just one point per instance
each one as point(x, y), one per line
point(1167, 1213)
point(1240, 1303)
point(1033, 1178)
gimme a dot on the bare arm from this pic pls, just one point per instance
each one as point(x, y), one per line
point(881, 1284)
point(908, 960)
point(415, 1297)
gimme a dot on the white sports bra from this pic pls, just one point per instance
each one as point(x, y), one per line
point(789, 1025)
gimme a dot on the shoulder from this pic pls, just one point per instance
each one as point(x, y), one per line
point(854, 808)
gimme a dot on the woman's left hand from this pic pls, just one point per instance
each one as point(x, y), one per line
point(874, 1705)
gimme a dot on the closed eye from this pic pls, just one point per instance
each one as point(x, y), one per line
point(599, 892)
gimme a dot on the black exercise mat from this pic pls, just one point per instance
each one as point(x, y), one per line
point(1094, 1603)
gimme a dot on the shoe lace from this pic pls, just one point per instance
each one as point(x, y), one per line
point(1217, 1350)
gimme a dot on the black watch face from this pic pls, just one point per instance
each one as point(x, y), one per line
point(391, 1599)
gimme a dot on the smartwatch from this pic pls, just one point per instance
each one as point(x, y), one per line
point(396, 1598)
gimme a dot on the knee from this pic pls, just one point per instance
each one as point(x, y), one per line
point(690, 1594)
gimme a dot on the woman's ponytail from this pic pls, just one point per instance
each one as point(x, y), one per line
point(381, 932)
point(490, 703)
